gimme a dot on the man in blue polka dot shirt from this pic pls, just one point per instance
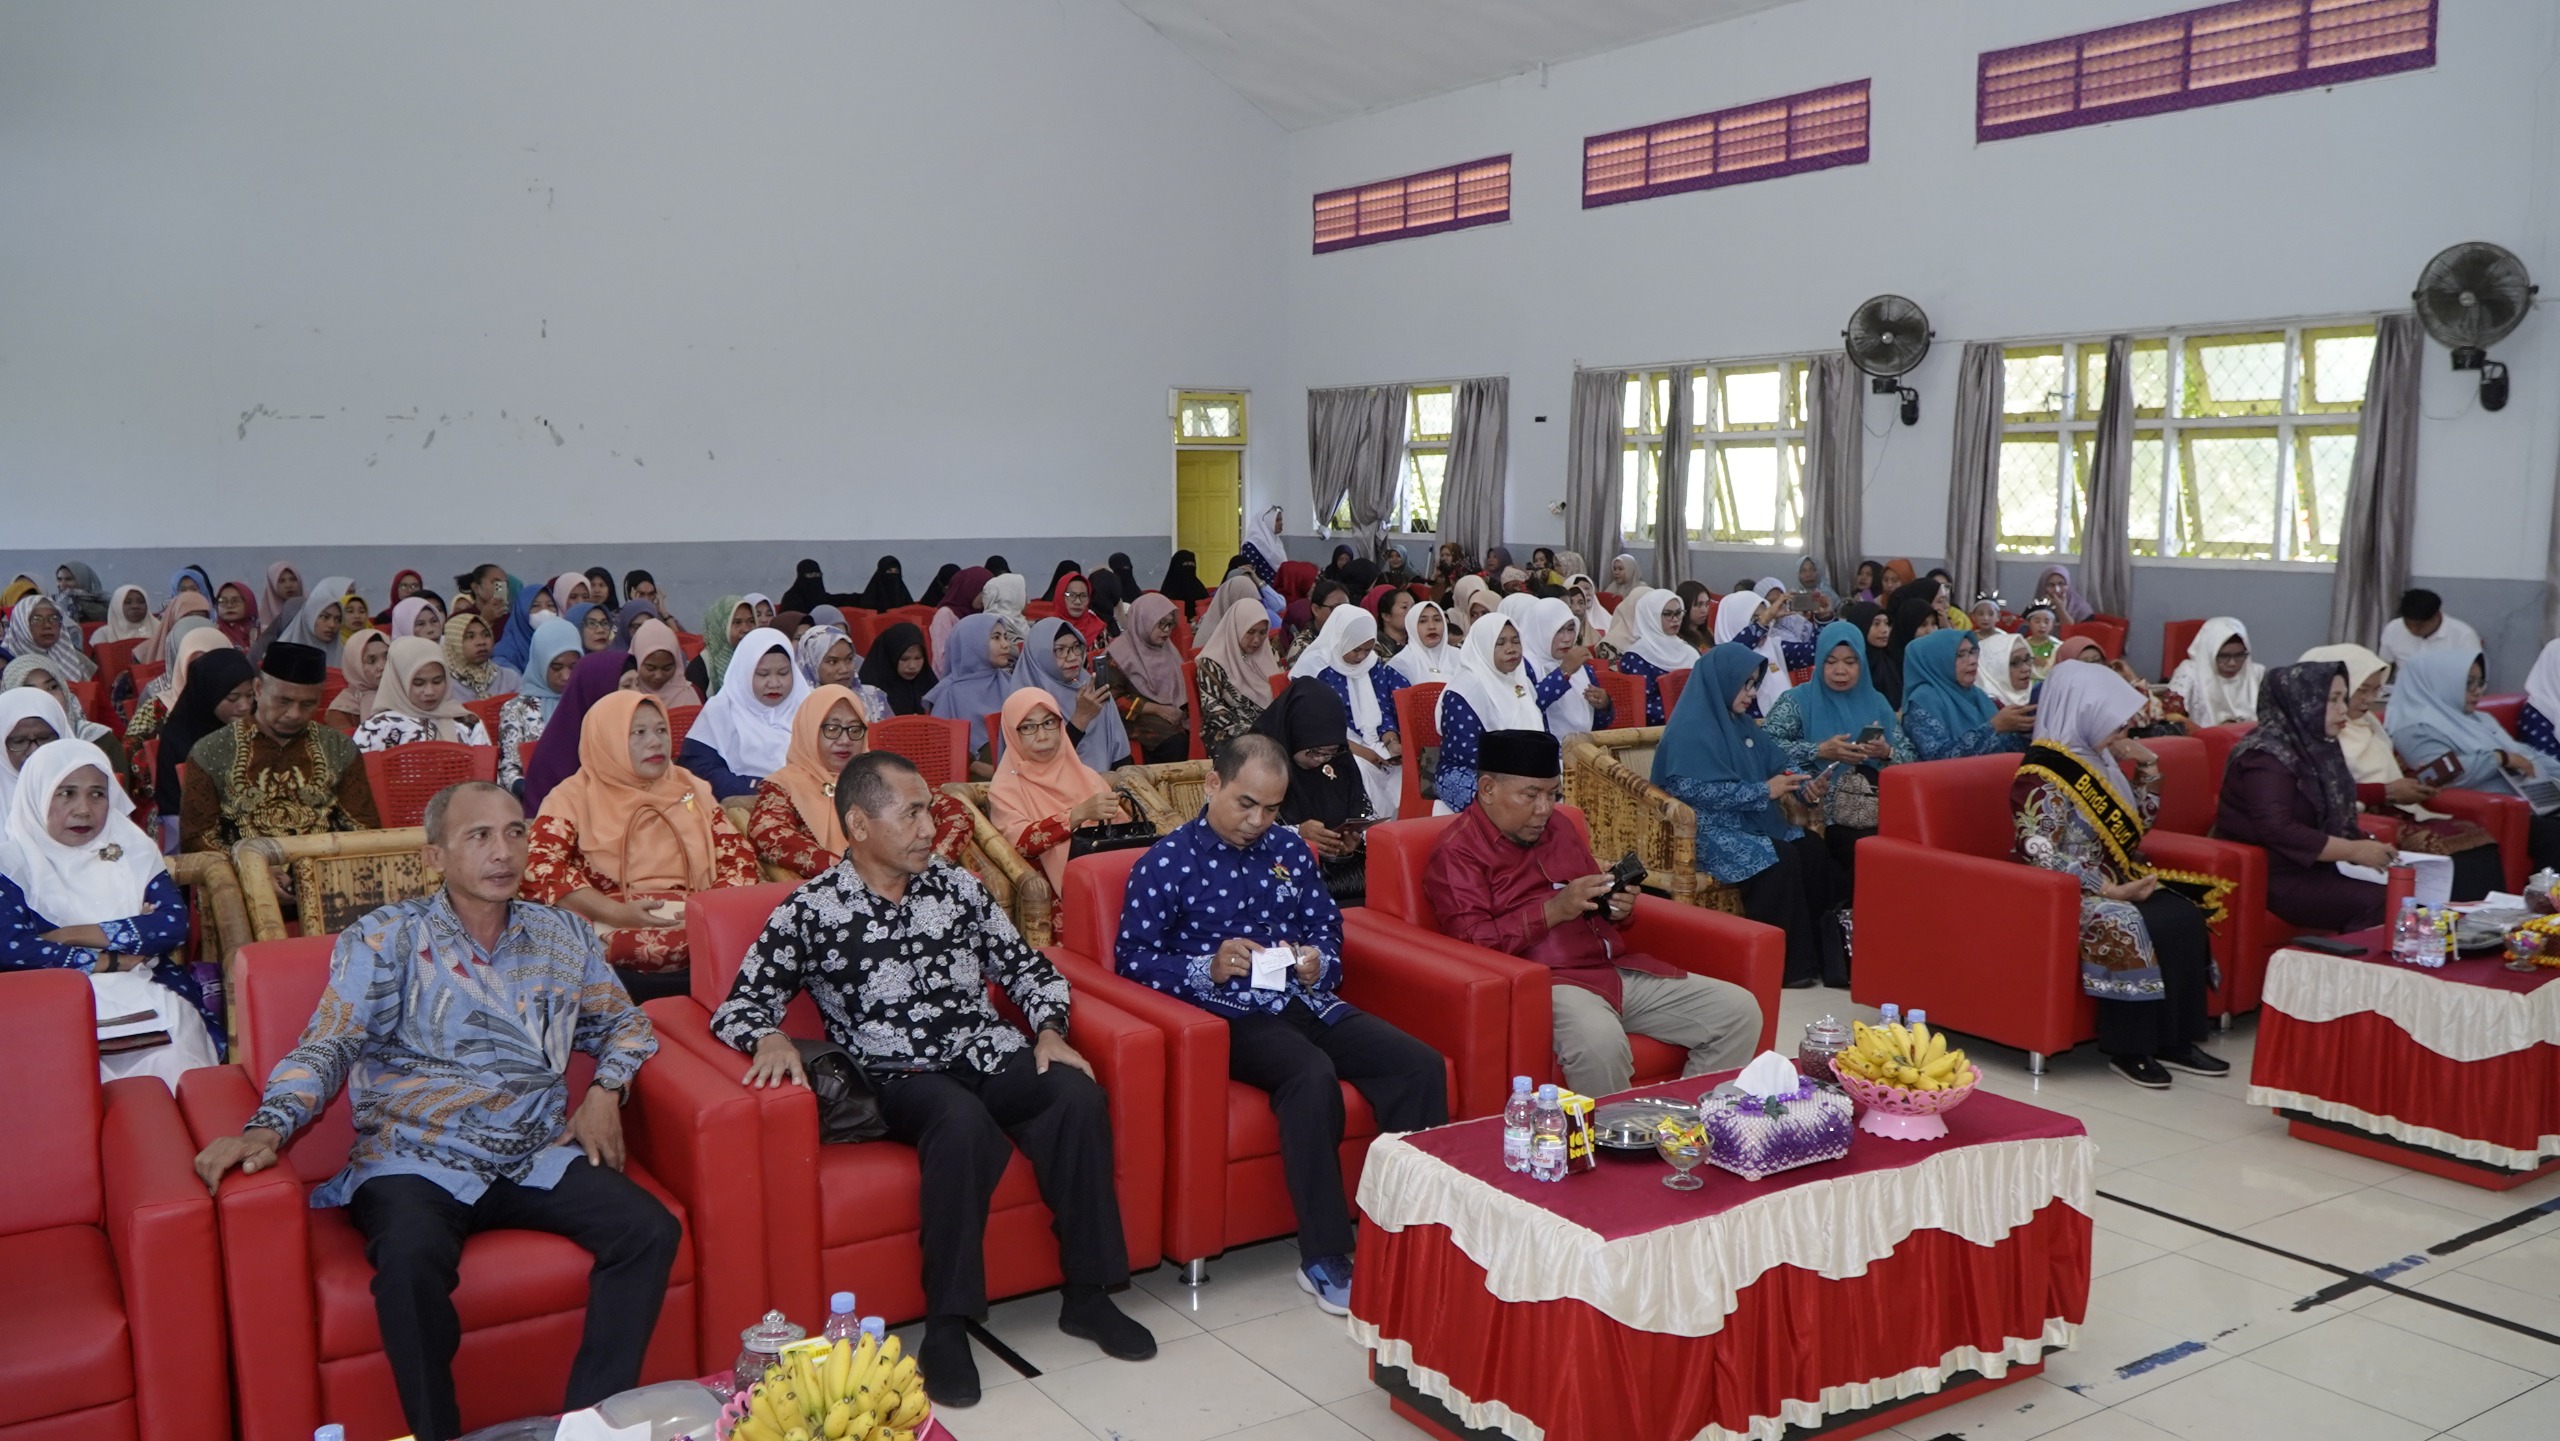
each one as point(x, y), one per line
point(1204, 901)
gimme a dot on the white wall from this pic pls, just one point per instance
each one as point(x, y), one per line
point(2306, 204)
point(477, 271)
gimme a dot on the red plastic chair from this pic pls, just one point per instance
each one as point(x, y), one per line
point(1626, 698)
point(2506, 710)
point(2218, 741)
point(993, 723)
point(1279, 682)
point(524, 756)
point(919, 616)
point(2108, 635)
point(108, 1255)
point(2175, 637)
point(1672, 683)
point(144, 675)
point(680, 721)
point(333, 682)
point(939, 745)
point(1191, 689)
point(114, 658)
point(405, 778)
point(487, 711)
point(1609, 602)
point(1418, 721)
point(1039, 610)
point(92, 696)
point(689, 643)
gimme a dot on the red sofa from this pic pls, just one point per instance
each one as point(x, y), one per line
point(1223, 1185)
point(112, 1328)
point(847, 1217)
point(1945, 840)
point(1703, 942)
point(306, 1349)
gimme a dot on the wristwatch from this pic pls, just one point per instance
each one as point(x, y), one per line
point(615, 1089)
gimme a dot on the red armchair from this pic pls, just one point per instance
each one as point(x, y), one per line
point(113, 1325)
point(301, 1305)
point(2506, 709)
point(1702, 942)
point(1223, 1185)
point(846, 1217)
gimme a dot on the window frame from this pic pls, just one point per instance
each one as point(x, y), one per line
point(1641, 446)
point(1400, 192)
point(1681, 138)
point(1409, 480)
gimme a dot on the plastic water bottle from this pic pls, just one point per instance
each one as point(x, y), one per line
point(1888, 1013)
point(2406, 935)
point(1919, 1018)
point(1519, 1119)
point(331, 1432)
point(875, 1328)
point(1546, 1149)
point(841, 1325)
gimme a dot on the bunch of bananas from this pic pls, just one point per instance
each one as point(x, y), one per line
point(1912, 1057)
point(844, 1392)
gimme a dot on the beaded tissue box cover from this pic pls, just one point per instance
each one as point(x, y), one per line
point(1754, 1137)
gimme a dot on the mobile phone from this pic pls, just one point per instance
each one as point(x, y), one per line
point(1873, 733)
point(2441, 771)
point(2328, 946)
point(1356, 824)
point(1627, 874)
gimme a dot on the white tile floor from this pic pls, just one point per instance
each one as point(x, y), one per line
point(1248, 1357)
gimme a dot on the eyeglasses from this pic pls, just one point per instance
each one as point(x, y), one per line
point(840, 730)
point(20, 747)
point(1039, 726)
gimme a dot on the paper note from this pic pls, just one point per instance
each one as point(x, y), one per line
point(1271, 967)
point(2434, 876)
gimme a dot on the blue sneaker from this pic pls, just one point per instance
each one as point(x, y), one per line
point(1328, 1279)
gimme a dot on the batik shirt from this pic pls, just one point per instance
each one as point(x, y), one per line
point(457, 1059)
point(383, 730)
point(520, 723)
point(245, 783)
point(902, 984)
point(1192, 892)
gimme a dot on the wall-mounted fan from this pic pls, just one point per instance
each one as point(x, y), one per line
point(1886, 337)
point(2471, 296)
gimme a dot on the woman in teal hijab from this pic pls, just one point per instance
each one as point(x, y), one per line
point(1945, 713)
point(1821, 724)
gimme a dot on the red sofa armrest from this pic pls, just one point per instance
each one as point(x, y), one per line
point(2385, 829)
point(696, 1132)
point(2506, 817)
point(265, 1226)
point(786, 1139)
point(1718, 945)
point(160, 1225)
point(1195, 1103)
point(1920, 942)
point(1528, 989)
point(1127, 1055)
point(1457, 1008)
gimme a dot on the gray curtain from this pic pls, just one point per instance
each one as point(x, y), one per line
point(1355, 448)
point(2106, 540)
point(2373, 547)
point(1835, 438)
point(1471, 490)
point(1671, 497)
point(1973, 480)
point(1591, 464)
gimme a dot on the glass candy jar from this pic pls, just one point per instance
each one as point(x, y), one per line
point(1823, 1039)
point(760, 1345)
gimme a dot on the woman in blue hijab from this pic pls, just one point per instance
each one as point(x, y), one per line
point(1719, 761)
point(1945, 712)
point(527, 713)
point(1824, 726)
point(2435, 716)
point(515, 641)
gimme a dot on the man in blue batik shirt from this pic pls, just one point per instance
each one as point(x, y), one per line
point(1205, 899)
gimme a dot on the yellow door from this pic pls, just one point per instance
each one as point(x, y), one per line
point(1208, 505)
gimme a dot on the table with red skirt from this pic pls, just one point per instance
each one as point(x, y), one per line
point(2455, 1072)
point(1850, 1294)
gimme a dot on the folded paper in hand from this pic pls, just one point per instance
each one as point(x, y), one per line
point(1769, 1074)
point(1271, 967)
point(2435, 876)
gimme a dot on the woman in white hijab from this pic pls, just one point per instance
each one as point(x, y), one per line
point(415, 702)
point(1646, 630)
point(744, 731)
point(2007, 672)
point(1584, 598)
point(1624, 577)
point(25, 714)
point(1493, 691)
point(82, 888)
point(123, 621)
point(1574, 702)
point(1004, 595)
point(1428, 655)
point(1344, 655)
point(1738, 620)
point(2218, 680)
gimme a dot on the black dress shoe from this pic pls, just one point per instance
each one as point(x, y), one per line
point(1804, 983)
point(2195, 1060)
point(2141, 1070)
point(950, 1370)
point(1092, 1316)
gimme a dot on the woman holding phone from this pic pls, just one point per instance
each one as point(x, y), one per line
point(1838, 725)
point(1327, 801)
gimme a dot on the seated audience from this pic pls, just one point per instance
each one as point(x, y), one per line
point(2288, 791)
point(965, 597)
point(424, 1020)
point(417, 703)
point(193, 637)
point(82, 596)
point(1343, 658)
point(1822, 726)
point(1987, 613)
point(1235, 664)
point(527, 609)
point(322, 618)
point(2422, 624)
point(1821, 604)
point(1389, 606)
point(808, 590)
point(2038, 629)
point(2054, 588)
point(1491, 691)
point(155, 647)
point(272, 772)
point(887, 589)
point(658, 663)
point(1144, 672)
point(1073, 596)
point(2385, 787)
point(794, 826)
point(1623, 578)
point(1910, 613)
point(482, 591)
point(1201, 903)
point(1569, 693)
point(2145, 956)
point(2435, 720)
point(1043, 791)
point(955, 1079)
point(36, 672)
point(361, 660)
point(1946, 712)
point(1644, 636)
point(29, 719)
point(744, 729)
point(1327, 793)
point(220, 687)
point(82, 888)
point(417, 616)
point(128, 616)
point(1511, 877)
point(468, 644)
point(898, 669)
point(595, 625)
point(984, 650)
point(36, 629)
point(1470, 599)
point(1741, 618)
point(2005, 669)
point(1321, 601)
point(827, 657)
point(528, 712)
point(1054, 661)
point(1430, 654)
point(2217, 683)
point(555, 754)
point(627, 837)
point(724, 625)
point(1714, 758)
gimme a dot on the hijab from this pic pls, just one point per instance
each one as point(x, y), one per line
point(600, 589)
point(515, 640)
point(1463, 594)
point(154, 649)
point(749, 734)
point(1994, 649)
point(196, 573)
point(1897, 574)
point(1307, 716)
point(807, 591)
point(244, 631)
point(557, 756)
point(409, 655)
point(1119, 566)
point(1909, 612)
point(1106, 741)
point(1154, 667)
point(973, 688)
point(22, 673)
point(886, 591)
point(67, 663)
point(84, 591)
point(1003, 594)
point(1347, 629)
point(1703, 740)
point(552, 639)
point(117, 627)
point(1424, 664)
point(804, 774)
point(2427, 690)
point(2073, 608)
point(1109, 599)
point(1829, 712)
point(2074, 648)
point(1542, 622)
point(191, 643)
point(1240, 588)
point(332, 590)
point(880, 669)
point(812, 647)
point(2081, 706)
point(2211, 698)
point(2293, 727)
point(102, 880)
point(18, 705)
point(640, 835)
point(1262, 535)
point(649, 637)
point(1501, 702)
point(2364, 742)
point(940, 585)
point(404, 616)
point(210, 679)
point(1250, 672)
point(270, 600)
point(1026, 792)
point(626, 622)
point(716, 644)
point(356, 697)
point(1634, 581)
point(1639, 618)
point(1734, 620)
point(1929, 681)
point(962, 598)
point(1089, 625)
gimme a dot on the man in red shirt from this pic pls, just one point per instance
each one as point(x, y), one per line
point(1505, 879)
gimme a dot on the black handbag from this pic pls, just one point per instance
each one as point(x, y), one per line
point(848, 1104)
point(1093, 840)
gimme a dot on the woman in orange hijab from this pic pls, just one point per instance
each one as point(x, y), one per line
point(796, 826)
point(1042, 791)
point(1897, 574)
point(628, 836)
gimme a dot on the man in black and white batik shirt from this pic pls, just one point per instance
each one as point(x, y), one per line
point(897, 947)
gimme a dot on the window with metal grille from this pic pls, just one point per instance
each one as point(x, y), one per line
point(1430, 414)
point(1746, 452)
point(2243, 444)
point(2199, 57)
point(1476, 193)
point(1786, 136)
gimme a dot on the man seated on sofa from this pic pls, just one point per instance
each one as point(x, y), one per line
point(897, 947)
point(1506, 877)
point(452, 1017)
point(1204, 900)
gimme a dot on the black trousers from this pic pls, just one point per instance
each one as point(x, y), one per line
point(1842, 843)
point(2542, 841)
point(2184, 948)
point(413, 1234)
point(1302, 1062)
point(2477, 872)
point(964, 1124)
point(1798, 895)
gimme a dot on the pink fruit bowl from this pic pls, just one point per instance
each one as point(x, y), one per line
point(1902, 1115)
